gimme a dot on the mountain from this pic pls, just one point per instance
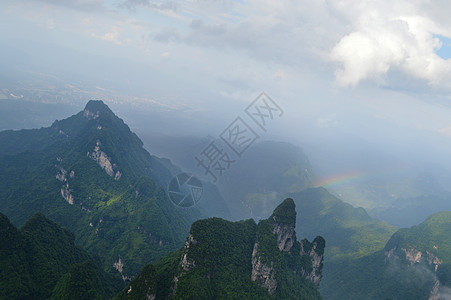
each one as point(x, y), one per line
point(81, 282)
point(255, 182)
point(91, 174)
point(349, 231)
point(414, 264)
point(407, 212)
point(237, 260)
point(35, 257)
point(263, 175)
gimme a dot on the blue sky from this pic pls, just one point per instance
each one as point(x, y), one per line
point(445, 49)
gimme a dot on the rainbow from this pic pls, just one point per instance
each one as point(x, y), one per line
point(340, 179)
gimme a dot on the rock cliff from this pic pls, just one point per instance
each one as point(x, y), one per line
point(242, 260)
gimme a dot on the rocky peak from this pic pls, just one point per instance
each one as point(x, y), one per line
point(398, 249)
point(262, 273)
point(315, 251)
point(285, 213)
point(95, 108)
point(282, 222)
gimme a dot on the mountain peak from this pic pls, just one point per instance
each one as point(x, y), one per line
point(285, 212)
point(96, 105)
point(94, 108)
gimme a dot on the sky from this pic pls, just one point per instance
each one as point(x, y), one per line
point(350, 75)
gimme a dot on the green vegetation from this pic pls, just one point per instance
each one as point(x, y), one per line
point(130, 217)
point(388, 273)
point(34, 258)
point(216, 263)
point(351, 235)
point(285, 212)
point(81, 282)
point(221, 252)
point(350, 232)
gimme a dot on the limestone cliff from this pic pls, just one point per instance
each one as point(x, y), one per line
point(104, 161)
point(240, 260)
point(399, 251)
point(263, 274)
point(282, 224)
point(315, 251)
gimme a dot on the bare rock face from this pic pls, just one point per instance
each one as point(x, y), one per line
point(435, 292)
point(416, 257)
point(90, 115)
point(262, 273)
point(119, 266)
point(61, 175)
point(283, 222)
point(316, 257)
point(65, 193)
point(185, 264)
point(285, 236)
point(104, 161)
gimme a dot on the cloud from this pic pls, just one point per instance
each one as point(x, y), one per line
point(280, 74)
point(156, 5)
point(85, 5)
point(386, 38)
point(87, 21)
point(445, 293)
point(111, 36)
point(446, 131)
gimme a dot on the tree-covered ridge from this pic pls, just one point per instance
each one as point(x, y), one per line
point(432, 235)
point(35, 257)
point(352, 237)
point(414, 264)
point(285, 212)
point(350, 232)
point(219, 261)
point(91, 174)
point(81, 282)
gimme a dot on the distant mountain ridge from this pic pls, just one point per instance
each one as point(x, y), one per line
point(255, 182)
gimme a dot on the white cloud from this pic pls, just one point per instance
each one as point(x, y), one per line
point(387, 36)
point(280, 74)
point(111, 36)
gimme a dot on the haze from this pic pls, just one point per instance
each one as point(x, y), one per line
point(364, 86)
